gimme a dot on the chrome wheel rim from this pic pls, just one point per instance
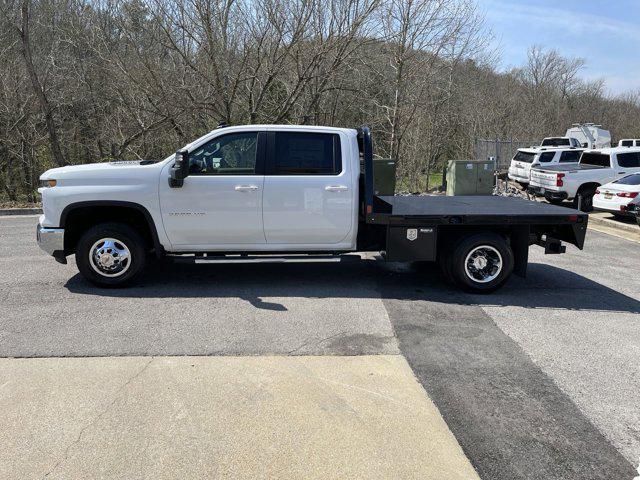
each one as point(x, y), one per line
point(110, 257)
point(483, 264)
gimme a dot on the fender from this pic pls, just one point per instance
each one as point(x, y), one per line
point(159, 249)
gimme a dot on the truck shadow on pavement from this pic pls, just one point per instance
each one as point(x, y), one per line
point(546, 286)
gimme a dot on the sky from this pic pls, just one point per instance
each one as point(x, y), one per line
point(605, 33)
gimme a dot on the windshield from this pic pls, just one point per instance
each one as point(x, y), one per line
point(524, 157)
point(597, 159)
point(555, 142)
point(629, 180)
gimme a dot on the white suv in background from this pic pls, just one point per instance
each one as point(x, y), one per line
point(527, 158)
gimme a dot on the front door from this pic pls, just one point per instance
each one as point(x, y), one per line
point(308, 196)
point(220, 203)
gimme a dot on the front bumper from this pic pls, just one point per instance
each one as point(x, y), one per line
point(51, 240)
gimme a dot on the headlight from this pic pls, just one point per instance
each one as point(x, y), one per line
point(48, 183)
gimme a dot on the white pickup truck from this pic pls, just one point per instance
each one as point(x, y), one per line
point(579, 182)
point(276, 193)
point(526, 159)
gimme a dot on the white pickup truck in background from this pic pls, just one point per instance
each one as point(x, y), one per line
point(527, 158)
point(579, 182)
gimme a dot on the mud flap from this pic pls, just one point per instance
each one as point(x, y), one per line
point(520, 248)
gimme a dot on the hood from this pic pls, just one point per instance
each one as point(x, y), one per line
point(121, 172)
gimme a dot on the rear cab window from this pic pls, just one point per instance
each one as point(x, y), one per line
point(305, 153)
point(629, 160)
point(546, 157)
point(596, 159)
point(570, 157)
point(556, 142)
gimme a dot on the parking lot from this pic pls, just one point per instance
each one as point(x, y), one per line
point(359, 369)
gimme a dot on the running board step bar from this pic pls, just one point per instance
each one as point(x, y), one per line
point(258, 259)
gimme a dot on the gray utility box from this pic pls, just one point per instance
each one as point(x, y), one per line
point(384, 176)
point(470, 177)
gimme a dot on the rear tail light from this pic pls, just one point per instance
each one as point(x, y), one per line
point(559, 177)
point(628, 194)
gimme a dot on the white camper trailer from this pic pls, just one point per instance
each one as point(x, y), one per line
point(590, 135)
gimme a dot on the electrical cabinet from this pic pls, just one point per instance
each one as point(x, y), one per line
point(470, 177)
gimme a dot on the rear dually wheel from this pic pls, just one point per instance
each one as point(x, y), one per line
point(481, 263)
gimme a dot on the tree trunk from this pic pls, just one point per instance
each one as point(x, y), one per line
point(56, 151)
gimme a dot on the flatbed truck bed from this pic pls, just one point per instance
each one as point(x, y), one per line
point(446, 229)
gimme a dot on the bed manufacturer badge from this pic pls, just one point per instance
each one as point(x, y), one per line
point(412, 234)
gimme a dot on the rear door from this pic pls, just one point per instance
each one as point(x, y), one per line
point(308, 192)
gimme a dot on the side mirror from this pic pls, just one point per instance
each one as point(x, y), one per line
point(180, 169)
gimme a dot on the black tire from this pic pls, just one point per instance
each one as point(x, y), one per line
point(586, 205)
point(555, 201)
point(497, 249)
point(523, 185)
point(126, 237)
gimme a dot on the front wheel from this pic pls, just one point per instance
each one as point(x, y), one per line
point(111, 255)
point(481, 263)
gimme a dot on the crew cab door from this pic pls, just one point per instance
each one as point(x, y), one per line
point(220, 202)
point(308, 189)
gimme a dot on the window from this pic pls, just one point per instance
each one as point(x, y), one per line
point(524, 157)
point(307, 154)
point(546, 157)
point(556, 142)
point(232, 154)
point(630, 180)
point(629, 160)
point(596, 159)
point(570, 157)
point(626, 143)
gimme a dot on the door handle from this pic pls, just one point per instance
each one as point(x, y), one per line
point(336, 188)
point(246, 188)
point(620, 173)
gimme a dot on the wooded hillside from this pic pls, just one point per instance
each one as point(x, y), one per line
point(85, 81)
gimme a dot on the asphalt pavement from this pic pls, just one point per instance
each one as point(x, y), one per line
point(538, 380)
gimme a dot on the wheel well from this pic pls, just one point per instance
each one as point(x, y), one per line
point(585, 186)
point(79, 219)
